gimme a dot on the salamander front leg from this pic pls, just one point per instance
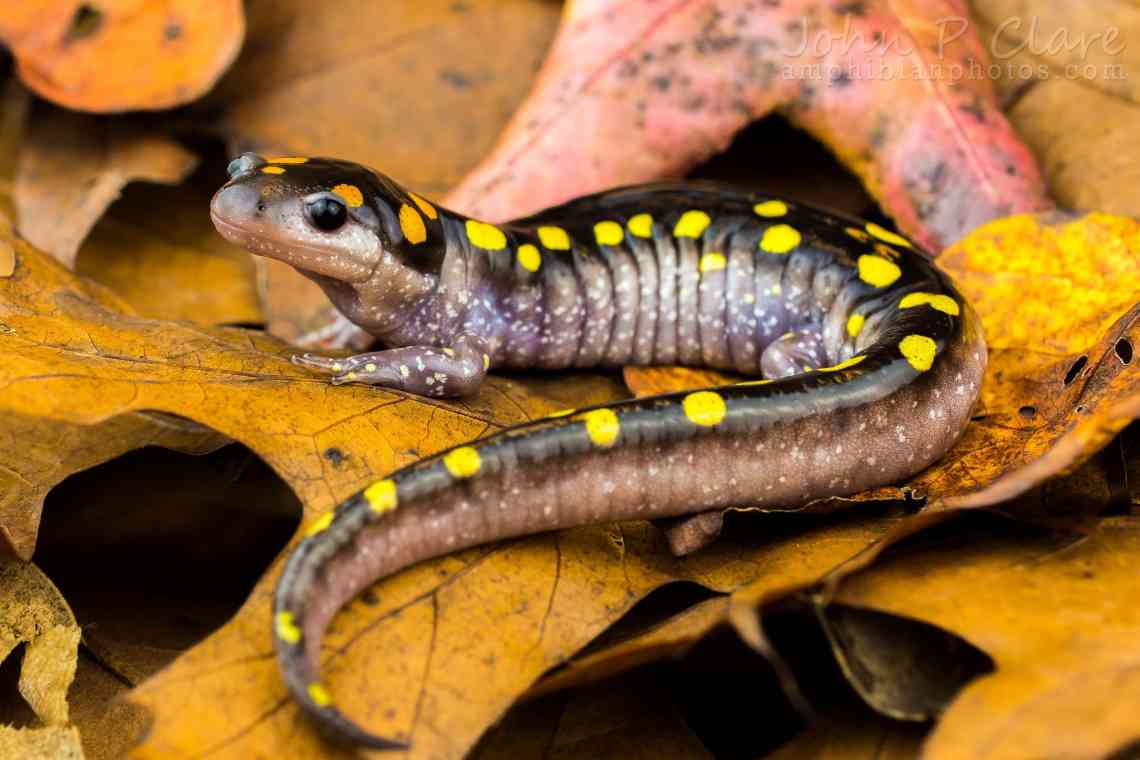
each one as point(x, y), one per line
point(423, 370)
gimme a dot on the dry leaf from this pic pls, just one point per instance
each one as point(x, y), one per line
point(32, 611)
point(411, 88)
point(853, 735)
point(109, 56)
point(73, 166)
point(51, 743)
point(631, 718)
point(1060, 620)
point(172, 265)
point(635, 91)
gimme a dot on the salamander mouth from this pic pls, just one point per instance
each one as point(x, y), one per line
point(290, 252)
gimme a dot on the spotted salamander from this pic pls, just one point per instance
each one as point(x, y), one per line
point(867, 360)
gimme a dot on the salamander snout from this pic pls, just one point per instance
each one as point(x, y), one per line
point(236, 204)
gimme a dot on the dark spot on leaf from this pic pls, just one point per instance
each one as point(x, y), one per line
point(1028, 411)
point(369, 597)
point(335, 455)
point(1124, 351)
point(172, 31)
point(1075, 370)
point(1081, 408)
point(456, 79)
point(977, 418)
point(86, 22)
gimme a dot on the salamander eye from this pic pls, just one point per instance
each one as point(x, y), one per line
point(326, 213)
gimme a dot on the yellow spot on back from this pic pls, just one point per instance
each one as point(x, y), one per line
point(943, 303)
point(485, 235)
point(692, 224)
point(608, 233)
point(554, 238)
point(529, 257)
point(780, 238)
point(287, 160)
point(704, 408)
point(887, 236)
point(561, 413)
point(381, 496)
point(771, 209)
point(641, 225)
point(319, 694)
point(320, 524)
point(602, 427)
point(486, 362)
point(462, 462)
point(858, 234)
point(855, 325)
point(877, 271)
point(272, 170)
point(919, 351)
point(844, 364)
point(286, 628)
point(351, 194)
point(412, 224)
point(427, 208)
point(712, 262)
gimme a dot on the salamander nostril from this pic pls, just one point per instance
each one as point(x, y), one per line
point(244, 164)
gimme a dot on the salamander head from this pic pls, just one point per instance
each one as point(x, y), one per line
point(325, 217)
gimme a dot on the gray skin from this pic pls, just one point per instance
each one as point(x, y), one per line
point(848, 404)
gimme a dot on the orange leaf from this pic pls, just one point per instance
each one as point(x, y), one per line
point(125, 55)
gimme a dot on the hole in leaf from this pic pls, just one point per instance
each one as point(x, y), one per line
point(86, 22)
point(157, 549)
point(1028, 411)
point(1075, 370)
point(1124, 351)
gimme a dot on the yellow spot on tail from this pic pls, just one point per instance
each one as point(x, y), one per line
point(381, 496)
point(844, 364)
point(780, 238)
point(462, 462)
point(858, 234)
point(877, 271)
point(641, 225)
point(320, 524)
point(943, 303)
point(755, 382)
point(855, 325)
point(351, 194)
point(705, 408)
point(412, 224)
point(771, 209)
point(485, 235)
point(272, 170)
point(602, 427)
point(919, 351)
point(692, 224)
point(554, 238)
point(319, 694)
point(887, 236)
point(529, 257)
point(608, 233)
point(712, 262)
point(561, 413)
point(286, 627)
point(486, 362)
point(287, 160)
point(427, 208)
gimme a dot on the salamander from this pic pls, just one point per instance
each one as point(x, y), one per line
point(866, 363)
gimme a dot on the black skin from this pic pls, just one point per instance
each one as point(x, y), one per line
point(871, 363)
